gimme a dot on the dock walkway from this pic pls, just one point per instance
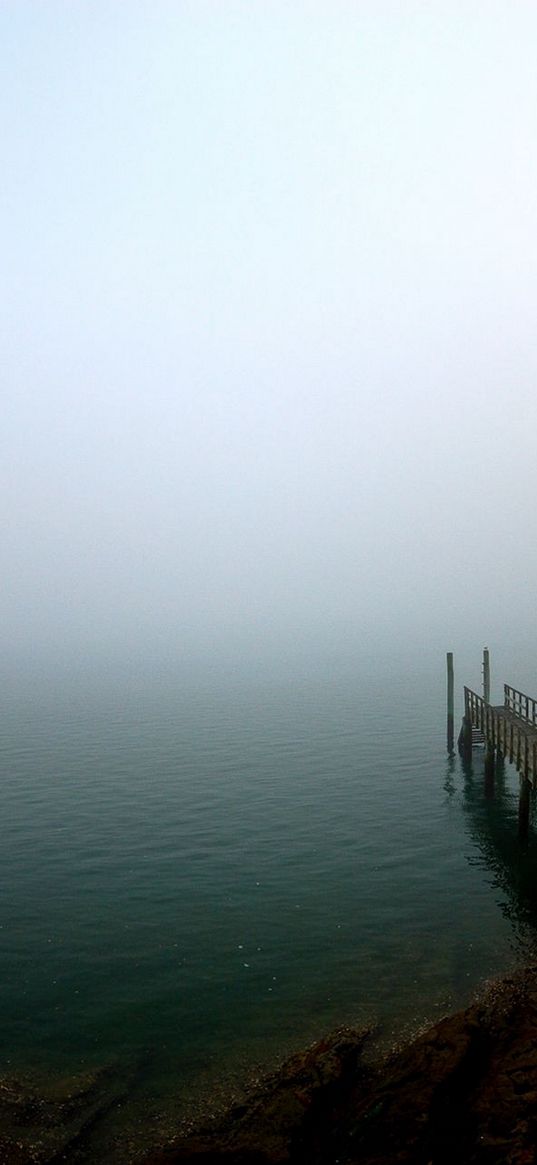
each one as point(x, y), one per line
point(509, 728)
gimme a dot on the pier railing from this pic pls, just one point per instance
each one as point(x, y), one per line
point(520, 705)
point(506, 731)
point(510, 728)
point(477, 711)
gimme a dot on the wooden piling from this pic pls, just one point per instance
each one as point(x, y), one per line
point(486, 675)
point(465, 736)
point(450, 702)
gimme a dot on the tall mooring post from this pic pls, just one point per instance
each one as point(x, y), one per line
point(486, 675)
point(490, 753)
point(450, 702)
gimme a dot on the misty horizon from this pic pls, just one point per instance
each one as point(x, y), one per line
point(268, 317)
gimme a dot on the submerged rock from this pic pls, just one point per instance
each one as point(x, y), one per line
point(48, 1124)
point(465, 1091)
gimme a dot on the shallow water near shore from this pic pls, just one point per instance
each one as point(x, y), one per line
point(202, 873)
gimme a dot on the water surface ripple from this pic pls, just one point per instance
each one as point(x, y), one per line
point(216, 873)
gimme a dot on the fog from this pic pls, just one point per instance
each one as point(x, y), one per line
point(269, 353)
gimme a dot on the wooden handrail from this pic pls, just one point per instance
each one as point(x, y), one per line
point(511, 729)
point(522, 706)
point(474, 707)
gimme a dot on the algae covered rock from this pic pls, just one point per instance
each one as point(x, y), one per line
point(465, 1091)
point(50, 1122)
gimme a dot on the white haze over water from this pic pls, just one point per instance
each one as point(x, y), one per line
point(269, 355)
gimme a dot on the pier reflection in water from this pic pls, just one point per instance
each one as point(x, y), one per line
point(491, 803)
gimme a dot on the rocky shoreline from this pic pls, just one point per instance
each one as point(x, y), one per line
point(463, 1091)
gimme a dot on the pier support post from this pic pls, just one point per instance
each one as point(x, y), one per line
point(524, 808)
point(465, 739)
point(486, 675)
point(450, 702)
point(465, 735)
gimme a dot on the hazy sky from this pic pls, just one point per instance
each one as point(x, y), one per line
point(268, 323)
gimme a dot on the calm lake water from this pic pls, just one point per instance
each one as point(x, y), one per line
point(198, 874)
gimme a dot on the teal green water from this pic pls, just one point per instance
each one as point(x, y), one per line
point(204, 873)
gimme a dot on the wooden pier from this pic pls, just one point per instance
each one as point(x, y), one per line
point(507, 730)
point(511, 727)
